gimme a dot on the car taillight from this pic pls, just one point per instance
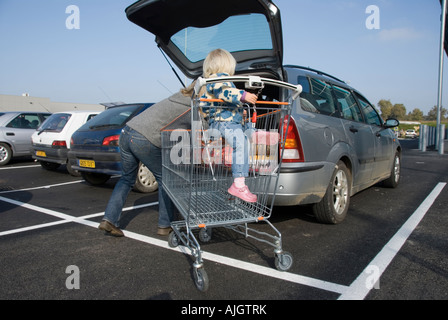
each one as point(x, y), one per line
point(293, 151)
point(111, 141)
point(59, 144)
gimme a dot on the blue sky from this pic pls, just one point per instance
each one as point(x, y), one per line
point(110, 59)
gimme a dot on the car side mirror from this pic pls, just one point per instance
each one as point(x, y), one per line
point(391, 123)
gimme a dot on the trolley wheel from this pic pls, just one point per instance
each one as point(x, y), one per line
point(205, 235)
point(173, 241)
point(201, 279)
point(283, 261)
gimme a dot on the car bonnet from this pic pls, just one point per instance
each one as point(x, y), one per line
point(187, 30)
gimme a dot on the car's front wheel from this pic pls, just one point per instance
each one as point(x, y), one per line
point(71, 171)
point(94, 178)
point(334, 205)
point(395, 174)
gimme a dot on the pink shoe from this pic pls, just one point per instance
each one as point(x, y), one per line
point(242, 193)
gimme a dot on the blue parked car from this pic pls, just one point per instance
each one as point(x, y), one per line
point(94, 150)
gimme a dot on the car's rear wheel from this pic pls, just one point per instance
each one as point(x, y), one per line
point(145, 182)
point(5, 154)
point(94, 178)
point(334, 205)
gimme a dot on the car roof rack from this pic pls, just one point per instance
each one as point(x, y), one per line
point(314, 70)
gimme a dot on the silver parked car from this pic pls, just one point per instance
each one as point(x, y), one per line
point(16, 129)
point(337, 144)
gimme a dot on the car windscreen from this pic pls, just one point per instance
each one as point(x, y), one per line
point(111, 118)
point(55, 123)
point(235, 34)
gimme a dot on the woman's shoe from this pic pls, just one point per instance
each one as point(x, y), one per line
point(163, 231)
point(242, 193)
point(110, 228)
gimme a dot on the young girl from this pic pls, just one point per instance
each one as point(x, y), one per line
point(229, 121)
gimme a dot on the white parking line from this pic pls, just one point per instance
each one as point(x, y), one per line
point(65, 218)
point(356, 291)
point(42, 187)
point(359, 289)
point(19, 167)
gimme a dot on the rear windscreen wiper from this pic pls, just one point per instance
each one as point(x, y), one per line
point(47, 129)
point(104, 126)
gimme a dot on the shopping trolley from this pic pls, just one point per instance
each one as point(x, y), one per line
point(197, 172)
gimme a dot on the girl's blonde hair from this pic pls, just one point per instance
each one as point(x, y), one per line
point(219, 61)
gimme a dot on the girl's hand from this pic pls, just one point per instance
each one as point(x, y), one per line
point(250, 98)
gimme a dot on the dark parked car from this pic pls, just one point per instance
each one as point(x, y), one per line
point(94, 149)
point(16, 129)
point(337, 144)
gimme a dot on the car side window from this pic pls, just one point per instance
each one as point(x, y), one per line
point(45, 116)
point(371, 115)
point(91, 116)
point(347, 103)
point(25, 121)
point(316, 96)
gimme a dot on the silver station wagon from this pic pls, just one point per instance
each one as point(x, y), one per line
point(337, 144)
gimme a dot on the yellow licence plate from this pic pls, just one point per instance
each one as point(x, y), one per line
point(41, 154)
point(87, 163)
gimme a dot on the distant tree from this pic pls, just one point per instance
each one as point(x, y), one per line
point(432, 114)
point(386, 108)
point(415, 115)
point(399, 111)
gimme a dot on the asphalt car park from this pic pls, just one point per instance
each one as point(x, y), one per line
point(391, 246)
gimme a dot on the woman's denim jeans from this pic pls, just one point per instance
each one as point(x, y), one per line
point(135, 148)
point(236, 138)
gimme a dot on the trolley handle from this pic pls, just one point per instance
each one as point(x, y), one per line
point(258, 102)
point(251, 81)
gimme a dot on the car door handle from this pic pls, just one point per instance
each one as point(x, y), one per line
point(10, 134)
point(353, 129)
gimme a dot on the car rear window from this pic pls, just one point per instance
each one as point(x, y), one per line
point(237, 33)
point(55, 123)
point(112, 117)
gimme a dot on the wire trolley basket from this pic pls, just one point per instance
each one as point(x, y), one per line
point(197, 171)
